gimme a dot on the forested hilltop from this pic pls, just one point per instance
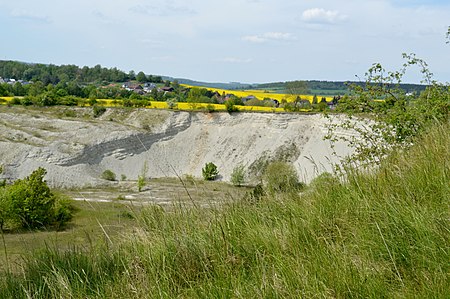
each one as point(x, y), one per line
point(54, 74)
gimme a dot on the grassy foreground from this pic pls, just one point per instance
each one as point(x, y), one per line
point(385, 234)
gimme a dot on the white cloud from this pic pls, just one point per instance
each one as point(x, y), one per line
point(269, 36)
point(254, 39)
point(30, 16)
point(162, 10)
point(320, 15)
point(236, 60)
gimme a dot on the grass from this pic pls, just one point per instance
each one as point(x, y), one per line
point(374, 235)
point(92, 221)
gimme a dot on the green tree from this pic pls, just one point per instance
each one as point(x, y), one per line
point(141, 77)
point(395, 120)
point(32, 201)
point(297, 87)
point(210, 171)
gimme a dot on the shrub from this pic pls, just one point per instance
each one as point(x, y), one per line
point(26, 101)
point(229, 105)
point(141, 182)
point(31, 203)
point(280, 177)
point(63, 212)
point(108, 175)
point(98, 110)
point(238, 175)
point(210, 171)
point(5, 208)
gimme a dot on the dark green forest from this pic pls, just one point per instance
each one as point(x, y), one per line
point(53, 74)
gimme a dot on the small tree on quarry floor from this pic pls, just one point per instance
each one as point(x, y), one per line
point(210, 171)
point(31, 203)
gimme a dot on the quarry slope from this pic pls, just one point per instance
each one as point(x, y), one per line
point(76, 148)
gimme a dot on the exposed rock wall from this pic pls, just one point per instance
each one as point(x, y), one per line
point(75, 151)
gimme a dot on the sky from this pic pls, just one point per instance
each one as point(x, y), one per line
point(251, 41)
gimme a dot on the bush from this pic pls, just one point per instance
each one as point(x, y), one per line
point(210, 171)
point(229, 105)
point(141, 182)
point(238, 175)
point(63, 212)
point(280, 177)
point(98, 110)
point(30, 203)
point(108, 175)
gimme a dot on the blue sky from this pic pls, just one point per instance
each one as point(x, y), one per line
point(234, 40)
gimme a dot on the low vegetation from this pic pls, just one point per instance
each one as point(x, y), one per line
point(108, 175)
point(29, 203)
point(382, 234)
point(210, 171)
point(376, 232)
point(238, 174)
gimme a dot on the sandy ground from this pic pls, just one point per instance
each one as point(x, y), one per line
point(76, 148)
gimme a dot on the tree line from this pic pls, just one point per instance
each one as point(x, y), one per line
point(54, 74)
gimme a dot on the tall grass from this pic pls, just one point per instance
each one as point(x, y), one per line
point(374, 235)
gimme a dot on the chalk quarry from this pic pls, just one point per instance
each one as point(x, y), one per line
point(75, 148)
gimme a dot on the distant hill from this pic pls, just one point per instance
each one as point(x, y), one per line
point(219, 85)
point(53, 74)
point(330, 88)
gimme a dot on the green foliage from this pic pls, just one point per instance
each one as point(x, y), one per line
point(381, 234)
point(229, 105)
point(264, 103)
point(297, 87)
point(98, 110)
point(141, 77)
point(31, 204)
point(280, 177)
point(63, 212)
point(141, 182)
point(238, 175)
point(210, 172)
point(108, 175)
point(5, 207)
point(32, 201)
point(395, 118)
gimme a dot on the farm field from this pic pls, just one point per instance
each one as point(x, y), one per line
point(262, 94)
point(183, 106)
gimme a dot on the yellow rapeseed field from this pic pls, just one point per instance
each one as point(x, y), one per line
point(261, 94)
point(6, 99)
point(180, 106)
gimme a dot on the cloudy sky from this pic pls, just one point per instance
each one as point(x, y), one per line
point(232, 40)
